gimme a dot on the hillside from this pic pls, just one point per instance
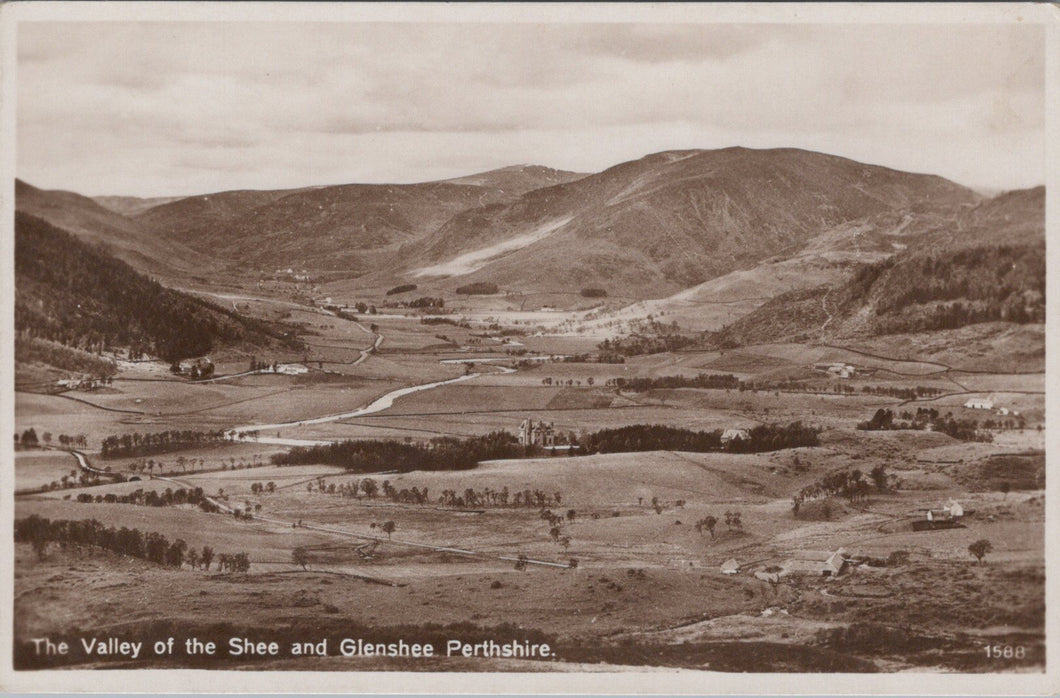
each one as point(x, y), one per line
point(131, 206)
point(77, 295)
point(349, 228)
point(655, 226)
point(987, 266)
point(125, 238)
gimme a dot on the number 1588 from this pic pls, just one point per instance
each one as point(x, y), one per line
point(1005, 651)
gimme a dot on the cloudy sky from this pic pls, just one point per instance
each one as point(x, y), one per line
point(155, 109)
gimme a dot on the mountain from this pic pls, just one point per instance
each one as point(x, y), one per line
point(347, 228)
point(125, 238)
point(517, 180)
point(654, 226)
point(130, 206)
point(71, 293)
point(987, 265)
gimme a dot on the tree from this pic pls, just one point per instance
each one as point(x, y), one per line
point(980, 548)
point(300, 556)
point(710, 522)
point(29, 437)
point(207, 557)
point(1005, 489)
point(388, 528)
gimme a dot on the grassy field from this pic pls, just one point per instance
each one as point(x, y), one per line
point(647, 588)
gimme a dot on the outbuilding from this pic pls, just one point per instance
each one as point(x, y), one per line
point(730, 566)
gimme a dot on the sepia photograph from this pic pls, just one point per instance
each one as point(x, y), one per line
point(647, 344)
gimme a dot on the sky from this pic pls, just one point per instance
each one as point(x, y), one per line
point(166, 108)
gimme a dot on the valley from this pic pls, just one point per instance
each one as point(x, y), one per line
point(673, 414)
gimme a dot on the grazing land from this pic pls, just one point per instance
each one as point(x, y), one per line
point(621, 570)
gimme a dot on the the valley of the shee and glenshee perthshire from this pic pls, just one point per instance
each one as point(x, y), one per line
point(744, 372)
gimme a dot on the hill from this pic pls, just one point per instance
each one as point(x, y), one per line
point(988, 265)
point(654, 226)
point(349, 228)
point(77, 295)
point(130, 206)
point(125, 238)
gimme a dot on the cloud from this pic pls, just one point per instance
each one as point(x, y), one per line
point(164, 108)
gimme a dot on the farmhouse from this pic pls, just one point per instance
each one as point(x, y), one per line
point(837, 369)
point(950, 511)
point(733, 434)
point(817, 564)
point(949, 516)
point(537, 434)
point(977, 403)
point(730, 566)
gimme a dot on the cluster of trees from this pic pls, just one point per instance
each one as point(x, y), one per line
point(901, 393)
point(733, 521)
point(369, 487)
point(442, 453)
point(137, 444)
point(78, 295)
point(152, 498)
point(851, 484)
point(590, 381)
point(426, 302)
point(131, 542)
point(503, 497)
point(29, 439)
point(654, 437)
point(480, 288)
point(444, 321)
point(637, 344)
point(36, 350)
point(593, 293)
point(403, 288)
point(586, 358)
point(449, 453)
point(952, 289)
point(928, 418)
point(710, 381)
point(468, 498)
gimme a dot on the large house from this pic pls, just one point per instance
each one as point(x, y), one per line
point(732, 434)
point(977, 403)
point(537, 433)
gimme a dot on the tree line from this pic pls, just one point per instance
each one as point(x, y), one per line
point(153, 498)
point(29, 439)
point(153, 547)
point(441, 453)
point(449, 453)
point(137, 444)
point(655, 437)
point(928, 418)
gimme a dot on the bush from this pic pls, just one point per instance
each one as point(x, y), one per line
point(594, 293)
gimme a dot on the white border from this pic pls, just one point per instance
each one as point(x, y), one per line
point(655, 682)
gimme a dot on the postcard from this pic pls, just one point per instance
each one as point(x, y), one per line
point(528, 348)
